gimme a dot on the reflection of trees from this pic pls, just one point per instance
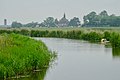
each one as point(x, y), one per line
point(116, 52)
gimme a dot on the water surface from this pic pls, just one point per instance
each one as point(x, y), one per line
point(81, 60)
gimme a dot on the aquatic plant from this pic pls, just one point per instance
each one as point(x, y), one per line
point(20, 55)
point(89, 34)
point(115, 40)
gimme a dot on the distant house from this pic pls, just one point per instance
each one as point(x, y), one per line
point(63, 22)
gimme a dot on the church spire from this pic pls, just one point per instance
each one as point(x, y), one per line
point(64, 15)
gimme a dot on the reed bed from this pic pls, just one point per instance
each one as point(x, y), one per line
point(20, 55)
point(89, 34)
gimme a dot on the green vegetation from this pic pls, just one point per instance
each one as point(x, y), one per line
point(89, 34)
point(16, 24)
point(50, 22)
point(20, 55)
point(101, 20)
point(74, 22)
point(116, 52)
point(92, 19)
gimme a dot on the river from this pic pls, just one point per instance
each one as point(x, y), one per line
point(81, 60)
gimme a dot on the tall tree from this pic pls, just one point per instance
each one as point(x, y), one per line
point(104, 14)
point(16, 24)
point(103, 19)
point(74, 22)
point(49, 22)
point(89, 20)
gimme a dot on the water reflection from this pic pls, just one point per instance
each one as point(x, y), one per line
point(80, 60)
point(116, 52)
point(34, 76)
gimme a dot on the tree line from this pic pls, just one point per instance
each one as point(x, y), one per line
point(48, 22)
point(103, 19)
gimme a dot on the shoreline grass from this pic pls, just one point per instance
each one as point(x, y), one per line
point(92, 34)
point(20, 55)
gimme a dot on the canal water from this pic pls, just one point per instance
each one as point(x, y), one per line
point(81, 60)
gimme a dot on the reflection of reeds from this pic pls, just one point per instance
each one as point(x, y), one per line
point(116, 52)
point(20, 55)
point(108, 45)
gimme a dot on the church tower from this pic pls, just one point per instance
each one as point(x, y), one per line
point(63, 22)
point(64, 16)
point(5, 21)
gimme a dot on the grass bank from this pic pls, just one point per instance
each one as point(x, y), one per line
point(90, 34)
point(20, 55)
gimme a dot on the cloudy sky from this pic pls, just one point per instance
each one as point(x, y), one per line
point(25, 11)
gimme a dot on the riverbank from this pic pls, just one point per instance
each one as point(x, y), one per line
point(89, 34)
point(19, 55)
